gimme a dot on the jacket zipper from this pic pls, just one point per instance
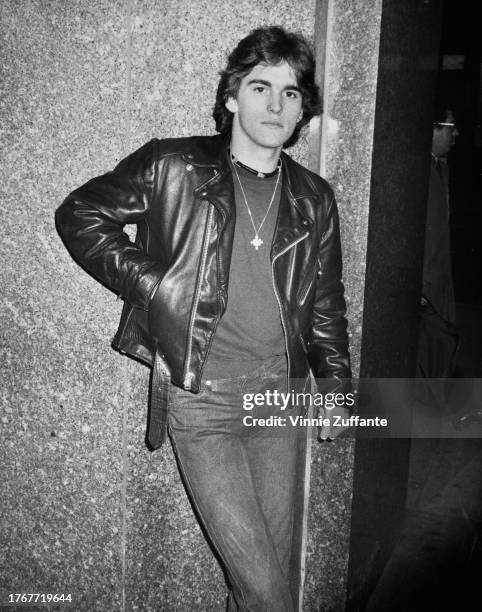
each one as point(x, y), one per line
point(207, 236)
point(306, 290)
point(305, 293)
point(278, 299)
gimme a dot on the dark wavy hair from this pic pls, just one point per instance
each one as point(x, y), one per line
point(270, 45)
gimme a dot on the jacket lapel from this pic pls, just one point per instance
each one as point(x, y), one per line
point(294, 219)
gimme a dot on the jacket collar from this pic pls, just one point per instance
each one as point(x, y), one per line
point(211, 152)
point(207, 151)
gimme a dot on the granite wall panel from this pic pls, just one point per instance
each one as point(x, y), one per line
point(347, 136)
point(61, 434)
point(350, 83)
point(86, 509)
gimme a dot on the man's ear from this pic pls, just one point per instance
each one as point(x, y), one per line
point(231, 104)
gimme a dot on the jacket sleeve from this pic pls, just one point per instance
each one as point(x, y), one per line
point(328, 350)
point(91, 220)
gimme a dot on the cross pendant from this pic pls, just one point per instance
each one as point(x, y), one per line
point(256, 242)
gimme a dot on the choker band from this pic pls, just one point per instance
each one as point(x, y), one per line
point(257, 173)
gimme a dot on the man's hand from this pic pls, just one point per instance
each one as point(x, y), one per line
point(337, 428)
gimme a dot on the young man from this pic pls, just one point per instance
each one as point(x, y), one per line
point(232, 286)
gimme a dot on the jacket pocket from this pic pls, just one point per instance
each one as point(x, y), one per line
point(308, 285)
point(153, 307)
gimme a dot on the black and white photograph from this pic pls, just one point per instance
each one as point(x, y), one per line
point(241, 326)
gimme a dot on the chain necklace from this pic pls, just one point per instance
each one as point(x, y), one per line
point(256, 241)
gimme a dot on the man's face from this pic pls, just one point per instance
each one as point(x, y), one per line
point(267, 107)
point(444, 136)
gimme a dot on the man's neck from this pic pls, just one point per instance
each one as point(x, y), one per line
point(258, 158)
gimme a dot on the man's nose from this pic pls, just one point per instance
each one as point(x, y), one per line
point(275, 104)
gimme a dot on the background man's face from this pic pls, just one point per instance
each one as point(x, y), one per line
point(444, 136)
point(267, 106)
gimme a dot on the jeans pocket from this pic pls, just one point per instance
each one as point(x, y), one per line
point(179, 397)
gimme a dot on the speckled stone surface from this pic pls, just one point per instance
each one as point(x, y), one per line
point(329, 526)
point(61, 431)
point(347, 138)
point(83, 83)
point(86, 509)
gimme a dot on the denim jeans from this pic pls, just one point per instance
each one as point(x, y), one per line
point(246, 485)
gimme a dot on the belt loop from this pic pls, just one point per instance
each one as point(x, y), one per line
point(158, 403)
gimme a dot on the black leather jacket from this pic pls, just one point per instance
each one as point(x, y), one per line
point(179, 193)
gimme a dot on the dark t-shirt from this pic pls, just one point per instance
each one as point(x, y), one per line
point(250, 331)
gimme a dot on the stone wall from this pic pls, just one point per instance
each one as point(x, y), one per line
point(86, 508)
